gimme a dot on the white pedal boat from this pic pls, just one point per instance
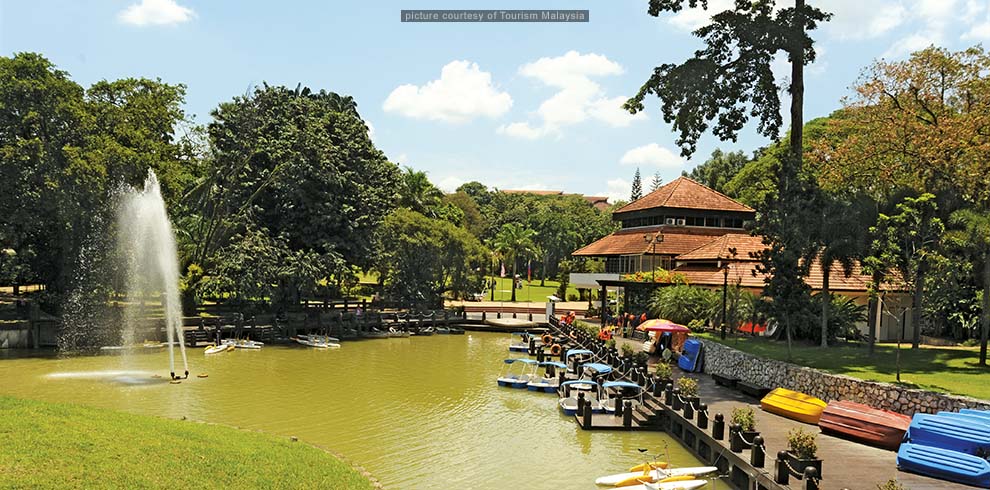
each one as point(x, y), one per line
point(656, 474)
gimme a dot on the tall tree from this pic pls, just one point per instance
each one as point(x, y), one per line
point(728, 80)
point(719, 169)
point(838, 241)
point(418, 193)
point(657, 182)
point(637, 187)
point(971, 230)
point(512, 242)
point(908, 241)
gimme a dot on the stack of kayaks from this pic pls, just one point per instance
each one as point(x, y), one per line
point(793, 405)
point(950, 446)
point(863, 423)
point(692, 357)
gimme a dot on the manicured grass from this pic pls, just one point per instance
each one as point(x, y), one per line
point(531, 290)
point(943, 369)
point(48, 445)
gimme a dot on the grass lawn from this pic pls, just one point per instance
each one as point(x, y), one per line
point(943, 369)
point(46, 445)
point(531, 290)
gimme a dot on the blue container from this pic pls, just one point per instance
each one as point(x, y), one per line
point(691, 359)
point(945, 464)
point(952, 433)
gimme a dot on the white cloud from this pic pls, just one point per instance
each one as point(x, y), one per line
point(522, 130)
point(979, 32)
point(578, 98)
point(450, 183)
point(463, 92)
point(617, 190)
point(611, 112)
point(690, 19)
point(654, 155)
point(912, 43)
point(850, 20)
point(402, 158)
point(155, 12)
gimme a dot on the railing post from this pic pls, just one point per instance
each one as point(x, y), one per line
point(668, 394)
point(781, 474)
point(810, 478)
point(677, 404)
point(626, 413)
point(702, 416)
point(718, 427)
point(757, 456)
point(735, 438)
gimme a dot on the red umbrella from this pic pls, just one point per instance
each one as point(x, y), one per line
point(665, 326)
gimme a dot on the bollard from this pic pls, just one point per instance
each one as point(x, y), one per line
point(580, 405)
point(781, 474)
point(483, 316)
point(539, 358)
point(702, 416)
point(758, 456)
point(513, 314)
point(626, 413)
point(810, 478)
point(668, 394)
point(498, 314)
point(644, 378)
point(677, 404)
point(618, 407)
point(531, 316)
point(563, 353)
point(657, 387)
point(689, 410)
point(735, 438)
point(718, 427)
point(532, 346)
point(587, 416)
point(567, 388)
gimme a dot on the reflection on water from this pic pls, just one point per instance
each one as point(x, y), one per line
point(419, 412)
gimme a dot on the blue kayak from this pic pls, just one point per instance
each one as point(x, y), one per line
point(952, 433)
point(965, 417)
point(691, 358)
point(978, 413)
point(945, 464)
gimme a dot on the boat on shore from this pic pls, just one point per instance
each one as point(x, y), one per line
point(517, 379)
point(397, 334)
point(863, 423)
point(949, 433)
point(794, 405)
point(945, 464)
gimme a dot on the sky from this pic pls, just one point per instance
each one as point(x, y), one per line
point(512, 105)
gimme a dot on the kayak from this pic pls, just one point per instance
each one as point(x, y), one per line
point(670, 485)
point(625, 479)
point(794, 405)
point(243, 344)
point(317, 343)
point(216, 349)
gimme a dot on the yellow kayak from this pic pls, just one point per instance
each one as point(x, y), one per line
point(793, 405)
point(654, 465)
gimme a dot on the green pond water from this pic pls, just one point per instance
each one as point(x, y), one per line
point(420, 412)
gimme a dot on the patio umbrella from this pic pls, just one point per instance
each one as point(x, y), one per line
point(653, 322)
point(666, 327)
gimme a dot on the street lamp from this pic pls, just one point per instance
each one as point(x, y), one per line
point(653, 240)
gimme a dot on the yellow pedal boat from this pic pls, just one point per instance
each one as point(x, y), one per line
point(793, 405)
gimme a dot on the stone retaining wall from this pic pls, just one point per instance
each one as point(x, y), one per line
point(726, 361)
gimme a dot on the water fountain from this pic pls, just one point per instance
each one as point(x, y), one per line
point(147, 246)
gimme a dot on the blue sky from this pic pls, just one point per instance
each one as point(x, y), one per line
point(511, 105)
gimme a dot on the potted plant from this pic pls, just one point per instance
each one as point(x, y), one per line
point(689, 392)
point(664, 373)
point(746, 419)
point(802, 451)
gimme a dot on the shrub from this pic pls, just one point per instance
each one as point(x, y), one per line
point(626, 350)
point(688, 387)
point(682, 304)
point(663, 370)
point(640, 358)
point(890, 485)
point(610, 343)
point(697, 325)
point(745, 417)
point(843, 315)
point(802, 444)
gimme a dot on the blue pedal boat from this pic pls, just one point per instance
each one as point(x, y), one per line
point(517, 379)
point(944, 464)
point(951, 433)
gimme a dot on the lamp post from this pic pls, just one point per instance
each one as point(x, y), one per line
point(653, 240)
point(725, 290)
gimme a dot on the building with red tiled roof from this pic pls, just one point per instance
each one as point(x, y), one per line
point(693, 230)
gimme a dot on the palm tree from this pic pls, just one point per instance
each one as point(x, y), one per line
point(418, 193)
point(972, 232)
point(839, 242)
point(512, 241)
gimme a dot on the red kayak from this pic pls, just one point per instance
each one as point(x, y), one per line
point(863, 423)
